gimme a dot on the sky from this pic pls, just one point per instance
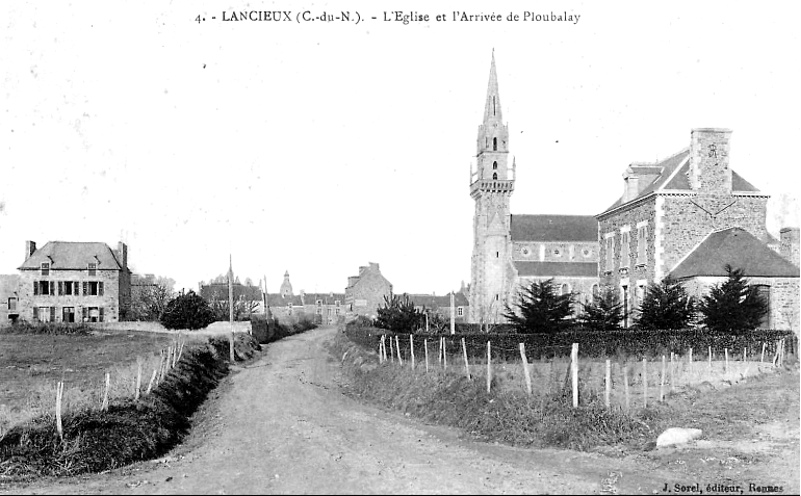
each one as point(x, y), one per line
point(315, 147)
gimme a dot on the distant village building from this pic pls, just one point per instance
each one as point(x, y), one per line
point(69, 282)
point(365, 292)
point(510, 251)
point(9, 298)
point(441, 305)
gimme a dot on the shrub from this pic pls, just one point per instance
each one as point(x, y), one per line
point(605, 311)
point(734, 305)
point(187, 311)
point(398, 315)
point(541, 309)
point(666, 306)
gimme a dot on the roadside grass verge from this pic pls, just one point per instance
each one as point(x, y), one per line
point(129, 431)
point(547, 418)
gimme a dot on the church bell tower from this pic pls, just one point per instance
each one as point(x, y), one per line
point(491, 187)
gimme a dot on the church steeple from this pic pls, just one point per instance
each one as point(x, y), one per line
point(286, 286)
point(492, 109)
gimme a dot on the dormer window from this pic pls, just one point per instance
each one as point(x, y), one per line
point(92, 269)
point(45, 268)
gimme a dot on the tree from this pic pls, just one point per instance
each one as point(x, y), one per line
point(243, 309)
point(541, 309)
point(187, 311)
point(733, 305)
point(149, 296)
point(666, 305)
point(603, 312)
point(399, 315)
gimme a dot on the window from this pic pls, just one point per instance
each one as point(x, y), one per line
point(494, 176)
point(67, 288)
point(337, 311)
point(639, 296)
point(92, 269)
point(12, 304)
point(610, 253)
point(330, 311)
point(495, 144)
point(763, 291)
point(642, 236)
point(92, 314)
point(45, 268)
point(497, 254)
point(44, 314)
point(564, 289)
point(460, 311)
point(595, 290)
point(44, 288)
point(624, 249)
point(336, 302)
point(93, 288)
point(68, 314)
point(495, 166)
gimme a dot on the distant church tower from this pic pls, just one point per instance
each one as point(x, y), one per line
point(286, 286)
point(491, 186)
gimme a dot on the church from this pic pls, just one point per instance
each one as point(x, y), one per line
point(510, 251)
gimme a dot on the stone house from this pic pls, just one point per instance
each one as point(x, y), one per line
point(9, 298)
point(442, 305)
point(669, 208)
point(775, 277)
point(74, 282)
point(366, 291)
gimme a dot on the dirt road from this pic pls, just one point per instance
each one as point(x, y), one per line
point(281, 425)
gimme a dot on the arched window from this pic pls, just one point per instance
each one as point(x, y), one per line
point(494, 165)
point(494, 176)
point(565, 289)
point(595, 290)
point(495, 144)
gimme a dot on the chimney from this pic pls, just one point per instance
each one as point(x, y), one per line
point(709, 161)
point(122, 254)
point(374, 266)
point(362, 269)
point(788, 244)
point(30, 247)
point(631, 185)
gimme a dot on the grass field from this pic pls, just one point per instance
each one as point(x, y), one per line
point(32, 364)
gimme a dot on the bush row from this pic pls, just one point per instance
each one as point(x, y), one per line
point(47, 328)
point(624, 343)
point(267, 331)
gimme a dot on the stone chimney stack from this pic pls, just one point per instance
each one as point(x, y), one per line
point(30, 247)
point(631, 185)
point(709, 161)
point(122, 253)
point(788, 244)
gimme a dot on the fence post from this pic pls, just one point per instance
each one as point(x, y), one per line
point(104, 405)
point(444, 354)
point(762, 359)
point(745, 353)
point(138, 377)
point(574, 373)
point(645, 383)
point(59, 398)
point(608, 382)
point(411, 348)
point(397, 349)
point(672, 374)
point(381, 349)
point(489, 367)
point(466, 364)
point(710, 359)
point(726, 362)
point(391, 351)
point(425, 348)
point(525, 367)
point(626, 385)
point(662, 383)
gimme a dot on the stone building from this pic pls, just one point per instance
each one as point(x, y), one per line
point(74, 282)
point(669, 208)
point(442, 305)
point(366, 291)
point(323, 308)
point(9, 298)
point(510, 251)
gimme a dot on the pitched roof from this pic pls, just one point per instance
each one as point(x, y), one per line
point(554, 228)
point(434, 301)
point(665, 176)
point(66, 255)
point(556, 269)
point(325, 298)
point(278, 300)
point(738, 248)
point(219, 291)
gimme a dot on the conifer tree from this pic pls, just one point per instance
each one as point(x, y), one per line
point(603, 312)
point(187, 311)
point(540, 309)
point(666, 305)
point(398, 315)
point(733, 305)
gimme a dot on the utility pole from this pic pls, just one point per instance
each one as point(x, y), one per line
point(231, 304)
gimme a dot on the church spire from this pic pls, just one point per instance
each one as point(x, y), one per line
point(492, 109)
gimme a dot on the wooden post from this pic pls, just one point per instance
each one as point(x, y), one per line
point(439, 352)
point(104, 405)
point(425, 347)
point(608, 382)
point(391, 350)
point(762, 359)
point(232, 356)
point(152, 378)
point(726, 363)
point(781, 352)
point(59, 399)
point(138, 378)
point(710, 359)
point(745, 354)
point(175, 354)
point(453, 314)
point(426, 322)
point(574, 373)
point(489, 367)
point(397, 349)
point(161, 361)
point(645, 383)
point(411, 348)
point(626, 385)
point(444, 354)
point(672, 374)
point(169, 357)
point(525, 367)
point(466, 364)
point(662, 382)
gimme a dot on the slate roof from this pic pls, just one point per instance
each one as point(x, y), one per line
point(434, 301)
point(555, 228)
point(219, 291)
point(278, 300)
point(667, 180)
point(738, 248)
point(325, 298)
point(72, 255)
point(556, 269)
